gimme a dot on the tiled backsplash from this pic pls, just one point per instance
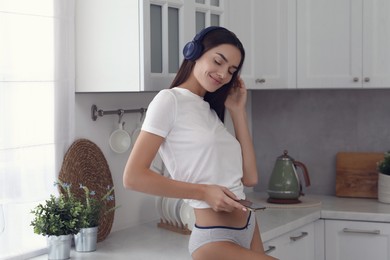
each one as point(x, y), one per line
point(313, 125)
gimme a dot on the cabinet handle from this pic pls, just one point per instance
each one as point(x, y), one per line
point(367, 79)
point(355, 79)
point(362, 231)
point(302, 235)
point(261, 81)
point(270, 249)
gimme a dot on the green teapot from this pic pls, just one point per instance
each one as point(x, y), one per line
point(284, 184)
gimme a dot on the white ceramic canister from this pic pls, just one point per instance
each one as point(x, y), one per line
point(383, 188)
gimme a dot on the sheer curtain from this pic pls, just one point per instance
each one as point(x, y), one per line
point(36, 112)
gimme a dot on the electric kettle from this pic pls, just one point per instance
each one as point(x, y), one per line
point(284, 185)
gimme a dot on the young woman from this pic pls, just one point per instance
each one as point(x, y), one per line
point(209, 167)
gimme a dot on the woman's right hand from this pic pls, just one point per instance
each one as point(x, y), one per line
point(222, 199)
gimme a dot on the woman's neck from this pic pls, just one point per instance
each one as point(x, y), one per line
point(193, 85)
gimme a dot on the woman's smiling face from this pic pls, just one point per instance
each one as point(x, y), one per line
point(215, 67)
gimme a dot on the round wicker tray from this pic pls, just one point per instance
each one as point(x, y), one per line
point(84, 163)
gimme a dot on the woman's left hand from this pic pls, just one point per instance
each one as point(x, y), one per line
point(237, 96)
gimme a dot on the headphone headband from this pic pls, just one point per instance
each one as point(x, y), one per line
point(193, 49)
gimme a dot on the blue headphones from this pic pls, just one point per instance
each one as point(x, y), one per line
point(193, 49)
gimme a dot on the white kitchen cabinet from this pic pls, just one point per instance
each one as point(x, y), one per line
point(115, 45)
point(343, 44)
point(208, 12)
point(267, 29)
point(136, 45)
point(356, 240)
point(299, 244)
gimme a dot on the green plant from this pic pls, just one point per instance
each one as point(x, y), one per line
point(58, 215)
point(384, 165)
point(94, 207)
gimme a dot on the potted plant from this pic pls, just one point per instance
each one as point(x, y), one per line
point(59, 218)
point(384, 179)
point(93, 209)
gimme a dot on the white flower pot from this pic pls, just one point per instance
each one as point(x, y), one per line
point(383, 188)
point(86, 239)
point(59, 246)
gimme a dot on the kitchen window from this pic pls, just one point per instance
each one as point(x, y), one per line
point(36, 119)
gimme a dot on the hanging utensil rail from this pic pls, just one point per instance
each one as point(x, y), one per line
point(95, 112)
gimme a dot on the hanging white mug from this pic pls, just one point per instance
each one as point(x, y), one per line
point(120, 140)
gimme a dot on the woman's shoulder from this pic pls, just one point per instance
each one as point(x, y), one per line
point(172, 91)
point(173, 94)
point(178, 97)
point(165, 94)
point(176, 93)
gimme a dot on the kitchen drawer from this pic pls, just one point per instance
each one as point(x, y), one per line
point(357, 240)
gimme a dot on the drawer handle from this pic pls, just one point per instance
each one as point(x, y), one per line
point(261, 81)
point(270, 249)
point(361, 231)
point(302, 235)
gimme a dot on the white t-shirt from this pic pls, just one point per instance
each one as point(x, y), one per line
point(197, 146)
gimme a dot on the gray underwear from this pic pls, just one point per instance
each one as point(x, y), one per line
point(241, 236)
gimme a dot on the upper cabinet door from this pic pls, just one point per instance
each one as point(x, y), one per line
point(208, 13)
point(267, 30)
point(127, 45)
point(107, 46)
point(343, 44)
point(376, 44)
point(167, 26)
point(160, 43)
point(329, 49)
point(199, 15)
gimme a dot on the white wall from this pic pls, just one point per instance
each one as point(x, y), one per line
point(135, 207)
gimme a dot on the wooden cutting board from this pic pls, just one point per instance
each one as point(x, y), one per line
point(356, 174)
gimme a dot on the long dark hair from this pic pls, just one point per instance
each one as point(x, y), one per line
point(210, 40)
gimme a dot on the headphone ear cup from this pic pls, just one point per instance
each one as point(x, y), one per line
point(192, 50)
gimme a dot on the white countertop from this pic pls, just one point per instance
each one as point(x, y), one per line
point(277, 221)
point(354, 209)
point(147, 241)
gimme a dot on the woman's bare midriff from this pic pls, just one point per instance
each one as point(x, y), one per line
point(209, 217)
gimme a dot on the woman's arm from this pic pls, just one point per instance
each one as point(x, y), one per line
point(236, 104)
point(139, 177)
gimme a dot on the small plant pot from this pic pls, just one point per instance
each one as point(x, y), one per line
point(383, 188)
point(59, 246)
point(86, 239)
